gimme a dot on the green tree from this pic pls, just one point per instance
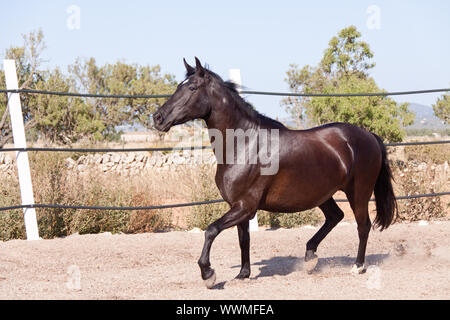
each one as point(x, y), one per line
point(344, 68)
point(63, 119)
point(121, 78)
point(442, 108)
point(28, 61)
point(56, 118)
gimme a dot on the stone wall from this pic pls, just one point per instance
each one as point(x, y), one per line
point(126, 163)
point(135, 163)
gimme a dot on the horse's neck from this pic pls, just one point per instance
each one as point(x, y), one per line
point(224, 118)
point(229, 116)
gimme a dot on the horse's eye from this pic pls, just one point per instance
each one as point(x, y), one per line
point(192, 88)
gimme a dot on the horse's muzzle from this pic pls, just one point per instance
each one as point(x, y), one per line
point(157, 118)
point(158, 121)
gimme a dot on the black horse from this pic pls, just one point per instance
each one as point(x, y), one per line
point(311, 165)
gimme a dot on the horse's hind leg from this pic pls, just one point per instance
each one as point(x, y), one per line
point(364, 224)
point(360, 207)
point(333, 214)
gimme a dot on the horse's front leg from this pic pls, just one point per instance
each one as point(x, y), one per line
point(236, 215)
point(244, 243)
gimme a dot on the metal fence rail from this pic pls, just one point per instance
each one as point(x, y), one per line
point(40, 149)
point(111, 149)
point(370, 94)
point(266, 93)
point(178, 205)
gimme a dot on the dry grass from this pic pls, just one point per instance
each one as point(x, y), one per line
point(54, 184)
point(421, 179)
point(434, 153)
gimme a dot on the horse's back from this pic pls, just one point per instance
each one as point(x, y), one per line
point(358, 149)
point(343, 136)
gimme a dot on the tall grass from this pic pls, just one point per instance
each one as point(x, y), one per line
point(434, 153)
point(11, 222)
point(290, 220)
point(203, 187)
point(54, 184)
point(414, 180)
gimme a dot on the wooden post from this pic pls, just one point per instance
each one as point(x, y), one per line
point(235, 76)
point(23, 166)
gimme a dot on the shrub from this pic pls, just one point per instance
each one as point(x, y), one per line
point(49, 177)
point(54, 184)
point(12, 225)
point(413, 179)
point(147, 220)
point(428, 153)
point(289, 220)
point(204, 188)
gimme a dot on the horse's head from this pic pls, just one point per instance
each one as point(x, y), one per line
point(190, 100)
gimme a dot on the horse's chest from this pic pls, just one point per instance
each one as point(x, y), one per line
point(233, 181)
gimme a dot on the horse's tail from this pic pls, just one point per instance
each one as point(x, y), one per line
point(384, 194)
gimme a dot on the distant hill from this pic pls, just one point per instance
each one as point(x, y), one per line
point(425, 117)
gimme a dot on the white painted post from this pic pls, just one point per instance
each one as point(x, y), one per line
point(23, 166)
point(235, 76)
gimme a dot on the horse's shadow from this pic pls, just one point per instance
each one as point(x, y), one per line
point(282, 266)
point(285, 265)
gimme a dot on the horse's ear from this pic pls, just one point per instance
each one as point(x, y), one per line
point(198, 66)
point(189, 70)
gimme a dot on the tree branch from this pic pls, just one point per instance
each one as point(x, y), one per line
point(5, 138)
point(31, 124)
point(4, 117)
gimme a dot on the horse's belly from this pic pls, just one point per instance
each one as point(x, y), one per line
point(294, 203)
point(290, 193)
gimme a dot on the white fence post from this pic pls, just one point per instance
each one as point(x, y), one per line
point(23, 166)
point(235, 76)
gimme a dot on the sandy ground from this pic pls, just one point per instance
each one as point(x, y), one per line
point(406, 261)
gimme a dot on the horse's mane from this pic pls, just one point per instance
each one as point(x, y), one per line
point(243, 105)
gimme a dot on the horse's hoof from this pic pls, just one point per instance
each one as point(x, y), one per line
point(209, 283)
point(358, 269)
point(244, 274)
point(311, 260)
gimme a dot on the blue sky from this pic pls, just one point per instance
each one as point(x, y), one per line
point(411, 46)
